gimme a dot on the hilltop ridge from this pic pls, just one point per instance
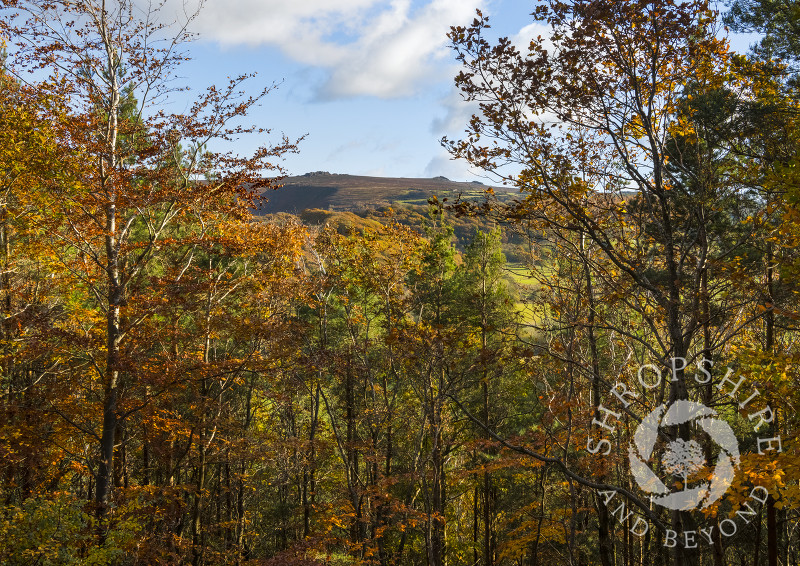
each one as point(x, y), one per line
point(343, 192)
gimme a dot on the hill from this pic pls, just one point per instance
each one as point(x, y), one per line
point(330, 191)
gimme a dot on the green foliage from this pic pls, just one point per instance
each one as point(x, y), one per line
point(51, 530)
point(777, 20)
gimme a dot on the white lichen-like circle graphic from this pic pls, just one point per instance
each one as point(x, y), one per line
point(682, 457)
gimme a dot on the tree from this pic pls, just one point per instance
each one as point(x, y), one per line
point(592, 127)
point(778, 21)
point(487, 310)
point(769, 149)
point(146, 185)
point(31, 285)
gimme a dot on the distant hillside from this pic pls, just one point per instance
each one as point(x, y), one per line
point(327, 191)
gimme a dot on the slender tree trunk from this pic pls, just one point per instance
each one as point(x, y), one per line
point(197, 508)
point(229, 529)
point(488, 503)
point(436, 530)
point(5, 334)
point(113, 338)
point(438, 499)
point(606, 546)
point(681, 520)
point(718, 553)
point(757, 549)
point(769, 339)
point(107, 165)
point(241, 553)
point(475, 496)
point(309, 474)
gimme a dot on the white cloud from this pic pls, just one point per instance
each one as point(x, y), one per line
point(457, 114)
point(522, 39)
point(395, 60)
point(300, 28)
point(377, 48)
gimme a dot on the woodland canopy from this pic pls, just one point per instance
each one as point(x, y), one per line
point(182, 382)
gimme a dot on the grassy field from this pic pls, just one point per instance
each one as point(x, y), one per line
point(520, 275)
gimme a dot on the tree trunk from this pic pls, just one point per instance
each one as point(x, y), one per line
point(606, 546)
point(769, 345)
point(113, 337)
point(197, 508)
point(108, 164)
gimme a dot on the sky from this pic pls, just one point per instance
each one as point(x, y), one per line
point(368, 82)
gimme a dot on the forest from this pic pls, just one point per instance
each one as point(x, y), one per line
point(183, 381)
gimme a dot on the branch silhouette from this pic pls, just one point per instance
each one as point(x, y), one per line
point(644, 507)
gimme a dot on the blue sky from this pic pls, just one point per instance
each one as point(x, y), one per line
point(369, 81)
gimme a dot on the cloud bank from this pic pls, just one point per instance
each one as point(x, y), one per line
point(386, 49)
